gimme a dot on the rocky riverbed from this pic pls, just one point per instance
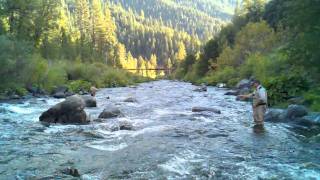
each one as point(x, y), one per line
point(164, 138)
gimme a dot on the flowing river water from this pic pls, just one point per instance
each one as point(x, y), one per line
point(169, 141)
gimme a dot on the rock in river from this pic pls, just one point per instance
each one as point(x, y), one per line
point(202, 109)
point(110, 113)
point(131, 100)
point(275, 115)
point(90, 101)
point(125, 125)
point(296, 111)
point(61, 92)
point(202, 88)
point(70, 111)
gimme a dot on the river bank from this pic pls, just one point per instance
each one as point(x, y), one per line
point(168, 140)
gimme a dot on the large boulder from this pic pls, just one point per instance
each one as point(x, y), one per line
point(275, 115)
point(90, 101)
point(296, 111)
point(203, 109)
point(70, 111)
point(111, 112)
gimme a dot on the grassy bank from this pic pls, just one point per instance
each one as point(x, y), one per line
point(75, 75)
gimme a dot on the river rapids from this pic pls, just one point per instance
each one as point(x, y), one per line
point(169, 141)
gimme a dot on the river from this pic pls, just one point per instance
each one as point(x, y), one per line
point(169, 141)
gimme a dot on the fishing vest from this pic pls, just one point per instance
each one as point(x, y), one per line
point(257, 99)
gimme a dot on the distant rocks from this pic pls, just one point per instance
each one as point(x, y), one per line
point(70, 111)
point(61, 92)
point(244, 83)
point(205, 109)
point(35, 91)
point(242, 88)
point(202, 88)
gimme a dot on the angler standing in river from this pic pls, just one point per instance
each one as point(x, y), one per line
point(93, 91)
point(259, 103)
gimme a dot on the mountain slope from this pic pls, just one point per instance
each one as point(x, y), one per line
point(201, 18)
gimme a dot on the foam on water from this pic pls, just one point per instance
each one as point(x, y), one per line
point(57, 129)
point(103, 146)
point(181, 164)
point(152, 130)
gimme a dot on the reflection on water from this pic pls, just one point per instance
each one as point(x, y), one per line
point(168, 140)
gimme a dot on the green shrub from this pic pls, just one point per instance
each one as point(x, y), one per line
point(286, 86)
point(36, 70)
point(56, 76)
point(76, 70)
point(115, 78)
point(312, 98)
point(227, 75)
point(14, 89)
point(79, 85)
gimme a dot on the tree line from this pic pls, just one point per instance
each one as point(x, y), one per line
point(47, 43)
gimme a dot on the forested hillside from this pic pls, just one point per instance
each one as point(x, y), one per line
point(82, 41)
point(274, 41)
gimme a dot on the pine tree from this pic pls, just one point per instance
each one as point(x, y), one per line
point(181, 54)
point(83, 22)
point(99, 30)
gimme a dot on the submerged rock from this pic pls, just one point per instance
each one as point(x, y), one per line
point(131, 100)
point(232, 93)
point(71, 171)
point(125, 125)
point(70, 111)
point(110, 113)
point(116, 125)
point(202, 109)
